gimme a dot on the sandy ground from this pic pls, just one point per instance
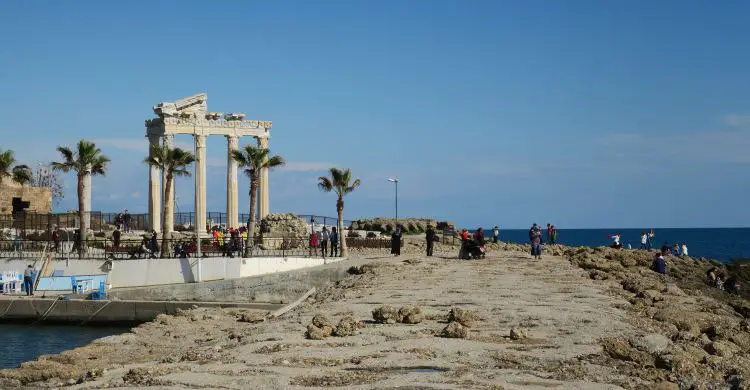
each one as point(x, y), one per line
point(564, 313)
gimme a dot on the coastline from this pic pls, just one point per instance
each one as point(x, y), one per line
point(591, 318)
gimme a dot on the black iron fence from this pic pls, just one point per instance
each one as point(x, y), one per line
point(102, 222)
point(106, 248)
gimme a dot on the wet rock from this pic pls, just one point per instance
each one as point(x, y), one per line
point(315, 333)
point(652, 343)
point(464, 317)
point(622, 350)
point(346, 327)
point(251, 317)
point(321, 321)
point(720, 348)
point(455, 330)
point(411, 315)
point(385, 315)
point(518, 334)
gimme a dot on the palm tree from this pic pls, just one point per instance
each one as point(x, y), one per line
point(87, 160)
point(254, 160)
point(341, 183)
point(174, 163)
point(22, 174)
point(7, 159)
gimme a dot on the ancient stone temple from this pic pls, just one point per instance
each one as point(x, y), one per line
point(191, 116)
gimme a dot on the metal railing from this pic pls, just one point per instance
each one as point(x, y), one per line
point(105, 248)
point(102, 222)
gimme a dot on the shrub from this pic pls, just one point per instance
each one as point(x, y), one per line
point(371, 235)
point(352, 234)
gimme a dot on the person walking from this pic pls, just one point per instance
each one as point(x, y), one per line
point(430, 236)
point(325, 237)
point(154, 244)
point(28, 281)
point(396, 242)
point(116, 235)
point(644, 240)
point(554, 235)
point(649, 237)
point(126, 220)
point(56, 239)
point(535, 236)
point(334, 242)
point(495, 234)
point(549, 233)
point(76, 241)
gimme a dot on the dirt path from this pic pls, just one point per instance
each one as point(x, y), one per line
point(565, 314)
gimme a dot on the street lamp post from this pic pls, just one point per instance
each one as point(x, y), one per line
point(395, 181)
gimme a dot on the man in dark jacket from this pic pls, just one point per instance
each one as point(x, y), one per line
point(154, 244)
point(116, 235)
point(430, 236)
point(396, 242)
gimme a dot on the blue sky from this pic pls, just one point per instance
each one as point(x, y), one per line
point(580, 113)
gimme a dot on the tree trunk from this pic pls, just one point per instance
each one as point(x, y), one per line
point(167, 218)
point(82, 225)
point(342, 235)
point(251, 228)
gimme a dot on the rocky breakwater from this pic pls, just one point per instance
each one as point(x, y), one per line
point(694, 335)
point(410, 225)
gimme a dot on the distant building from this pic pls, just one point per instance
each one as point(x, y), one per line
point(40, 199)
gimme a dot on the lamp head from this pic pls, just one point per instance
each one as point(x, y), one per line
point(393, 180)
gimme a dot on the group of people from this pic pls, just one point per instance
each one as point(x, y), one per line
point(123, 220)
point(716, 278)
point(321, 239)
point(472, 245)
point(536, 239)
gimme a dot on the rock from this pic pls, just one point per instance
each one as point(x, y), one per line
point(720, 348)
point(518, 334)
point(321, 321)
point(622, 350)
point(652, 343)
point(346, 327)
point(596, 274)
point(673, 290)
point(315, 333)
point(385, 315)
point(411, 315)
point(455, 330)
point(742, 340)
point(651, 296)
point(666, 386)
point(462, 316)
point(251, 317)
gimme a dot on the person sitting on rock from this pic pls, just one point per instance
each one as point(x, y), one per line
point(659, 265)
point(616, 240)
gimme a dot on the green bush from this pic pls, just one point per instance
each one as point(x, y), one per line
point(371, 235)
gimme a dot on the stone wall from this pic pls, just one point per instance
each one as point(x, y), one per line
point(40, 198)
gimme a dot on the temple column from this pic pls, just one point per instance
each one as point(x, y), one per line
point(263, 207)
point(233, 143)
point(154, 189)
point(200, 182)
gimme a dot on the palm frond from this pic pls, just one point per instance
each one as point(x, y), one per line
point(273, 162)
point(324, 184)
point(22, 174)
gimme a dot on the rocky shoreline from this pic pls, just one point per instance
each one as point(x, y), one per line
point(581, 318)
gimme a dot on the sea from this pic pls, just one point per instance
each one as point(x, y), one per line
point(723, 244)
point(22, 343)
